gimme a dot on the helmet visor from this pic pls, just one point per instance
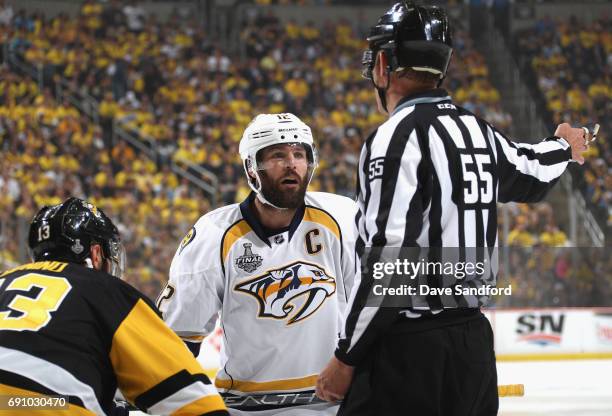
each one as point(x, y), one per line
point(280, 156)
point(367, 64)
point(116, 258)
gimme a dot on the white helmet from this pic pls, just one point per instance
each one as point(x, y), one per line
point(268, 130)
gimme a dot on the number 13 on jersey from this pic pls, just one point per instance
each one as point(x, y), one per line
point(34, 312)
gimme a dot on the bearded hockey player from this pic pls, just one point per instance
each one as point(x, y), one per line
point(278, 267)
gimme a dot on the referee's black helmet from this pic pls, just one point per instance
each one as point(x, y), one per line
point(66, 232)
point(416, 37)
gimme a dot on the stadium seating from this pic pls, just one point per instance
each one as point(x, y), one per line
point(156, 83)
point(570, 62)
point(184, 95)
point(51, 152)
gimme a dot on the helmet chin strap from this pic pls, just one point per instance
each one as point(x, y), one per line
point(382, 92)
point(264, 201)
point(259, 193)
point(383, 98)
point(258, 189)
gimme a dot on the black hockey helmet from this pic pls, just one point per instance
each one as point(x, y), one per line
point(412, 36)
point(65, 232)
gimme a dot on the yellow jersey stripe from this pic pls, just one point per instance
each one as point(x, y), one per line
point(276, 385)
point(72, 409)
point(232, 235)
point(193, 338)
point(321, 217)
point(202, 405)
point(146, 352)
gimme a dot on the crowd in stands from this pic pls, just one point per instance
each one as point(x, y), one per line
point(545, 276)
point(49, 151)
point(533, 224)
point(170, 85)
point(543, 265)
point(571, 61)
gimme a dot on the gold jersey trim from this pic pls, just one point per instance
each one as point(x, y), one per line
point(316, 215)
point(276, 385)
point(193, 338)
point(233, 234)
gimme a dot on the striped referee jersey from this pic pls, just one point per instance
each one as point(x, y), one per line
point(431, 176)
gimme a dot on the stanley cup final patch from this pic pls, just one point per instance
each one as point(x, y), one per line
point(187, 239)
point(249, 261)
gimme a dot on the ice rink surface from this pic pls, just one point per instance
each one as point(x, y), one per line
point(559, 388)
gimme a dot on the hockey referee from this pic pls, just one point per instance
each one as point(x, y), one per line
point(430, 176)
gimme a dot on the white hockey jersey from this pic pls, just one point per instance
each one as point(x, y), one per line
point(281, 297)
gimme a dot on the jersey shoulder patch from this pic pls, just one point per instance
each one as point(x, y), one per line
point(187, 239)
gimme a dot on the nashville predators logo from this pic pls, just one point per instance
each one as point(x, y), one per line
point(298, 289)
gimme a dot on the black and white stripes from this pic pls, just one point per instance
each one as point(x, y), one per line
point(431, 176)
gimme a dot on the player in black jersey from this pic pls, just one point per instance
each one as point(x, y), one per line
point(69, 326)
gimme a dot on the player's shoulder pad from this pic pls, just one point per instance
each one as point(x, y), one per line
point(323, 198)
point(105, 290)
point(90, 277)
point(340, 207)
point(207, 233)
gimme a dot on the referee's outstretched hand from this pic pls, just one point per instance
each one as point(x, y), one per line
point(334, 381)
point(578, 139)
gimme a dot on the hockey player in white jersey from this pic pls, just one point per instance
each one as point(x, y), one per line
point(278, 267)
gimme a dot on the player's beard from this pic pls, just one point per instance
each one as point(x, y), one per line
point(289, 198)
